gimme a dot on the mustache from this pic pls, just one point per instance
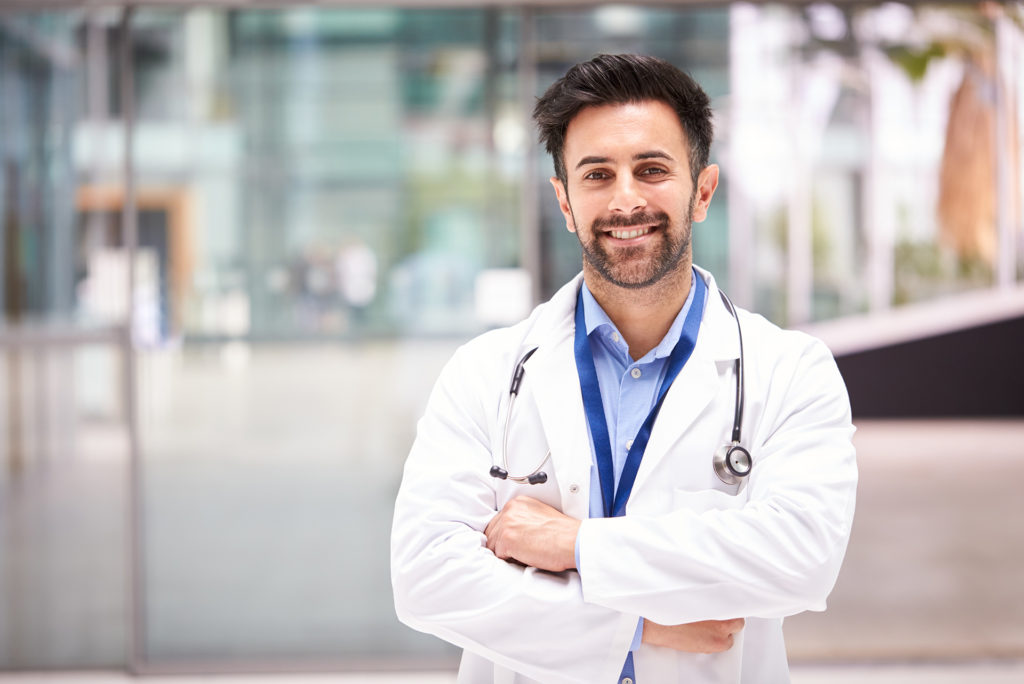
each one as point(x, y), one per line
point(634, 220)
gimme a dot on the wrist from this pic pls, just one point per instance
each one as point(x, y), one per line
point(652, 633)
point(570, 547)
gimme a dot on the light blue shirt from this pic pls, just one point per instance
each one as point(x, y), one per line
point(629, 390)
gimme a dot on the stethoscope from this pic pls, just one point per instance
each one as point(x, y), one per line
point(731, 462)
point(536, 476)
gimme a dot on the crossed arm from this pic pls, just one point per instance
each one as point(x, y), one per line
point(535, 534)
point(449, 547)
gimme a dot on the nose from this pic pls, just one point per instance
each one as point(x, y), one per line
point(626, 197)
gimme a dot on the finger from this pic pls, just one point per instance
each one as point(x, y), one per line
point(491, 533)
point(494, 522)
point(497, 547)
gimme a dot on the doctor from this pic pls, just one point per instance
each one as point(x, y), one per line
point(562, 516)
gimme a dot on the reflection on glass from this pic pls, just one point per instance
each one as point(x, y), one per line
point(346, 173)
point(349, 176)
point(41, 74)
point(63, 435)
point(63, 508)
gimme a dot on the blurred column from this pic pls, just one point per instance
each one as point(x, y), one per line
point(129, 217)
point(743, 20)
point(879, 227)
point(1007, 158)
point(529, 249)
point(800, 196)
point(13, 301)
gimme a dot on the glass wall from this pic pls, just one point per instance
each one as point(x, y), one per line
point(324, 203)
point(64, 411)
point(333, 174)
point(41, 74)
point(328, 200)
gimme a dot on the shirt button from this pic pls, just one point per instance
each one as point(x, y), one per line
point(636, 372)
point(629, 444)
point(573, 488)
point(615, 337)
point(627, 680)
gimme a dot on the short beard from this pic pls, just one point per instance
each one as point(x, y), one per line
point(666, 260)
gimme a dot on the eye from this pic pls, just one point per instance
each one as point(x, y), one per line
point(652, 171)
point(596, 175)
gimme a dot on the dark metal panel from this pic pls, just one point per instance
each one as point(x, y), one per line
point(972, 372)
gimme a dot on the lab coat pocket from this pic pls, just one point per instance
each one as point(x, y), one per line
point(704, 500)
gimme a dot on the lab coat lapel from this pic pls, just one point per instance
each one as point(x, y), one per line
point(697, 384)
point(693, 389)
point(560, 404)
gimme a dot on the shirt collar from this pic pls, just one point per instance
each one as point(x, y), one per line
point(596, 318)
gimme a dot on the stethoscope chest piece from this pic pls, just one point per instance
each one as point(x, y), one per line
point(732, 463)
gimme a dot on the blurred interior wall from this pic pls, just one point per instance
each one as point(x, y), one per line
point(324, 201)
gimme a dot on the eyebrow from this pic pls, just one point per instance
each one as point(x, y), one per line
point(640, 156)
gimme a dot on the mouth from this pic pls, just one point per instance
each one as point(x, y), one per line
point(631, 233)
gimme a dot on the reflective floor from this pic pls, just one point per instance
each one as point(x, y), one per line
point(1006, 672)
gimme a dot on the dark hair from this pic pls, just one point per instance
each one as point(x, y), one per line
point(621, 79)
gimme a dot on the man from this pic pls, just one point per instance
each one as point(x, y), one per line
point(577, 528)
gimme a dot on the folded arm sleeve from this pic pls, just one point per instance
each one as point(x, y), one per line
point(776, 555)
point(445, 580)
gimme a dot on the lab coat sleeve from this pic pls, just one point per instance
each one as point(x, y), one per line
point(445, 580)
point(773, 553)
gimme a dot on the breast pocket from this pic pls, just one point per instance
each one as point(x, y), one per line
point(703, 500)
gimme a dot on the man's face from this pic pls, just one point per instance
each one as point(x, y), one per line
point(629, 196)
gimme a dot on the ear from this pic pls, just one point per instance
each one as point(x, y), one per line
point(563, 203)
point(707, 183)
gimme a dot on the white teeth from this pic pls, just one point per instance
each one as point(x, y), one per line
point(627, 234)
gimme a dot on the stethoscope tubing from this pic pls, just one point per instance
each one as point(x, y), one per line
point(536, 476)
point(737, 420)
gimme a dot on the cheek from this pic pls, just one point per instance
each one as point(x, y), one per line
point(583, 210)
point(570, 210)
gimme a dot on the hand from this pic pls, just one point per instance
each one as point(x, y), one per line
point(709, 636)
point(534, 534)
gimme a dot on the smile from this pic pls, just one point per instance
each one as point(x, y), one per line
point(627, 234)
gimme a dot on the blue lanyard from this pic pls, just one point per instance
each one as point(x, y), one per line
point(615, 500)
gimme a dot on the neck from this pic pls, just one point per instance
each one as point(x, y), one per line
point(643, 316)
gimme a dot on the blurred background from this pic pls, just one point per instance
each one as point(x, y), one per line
point(239, 240)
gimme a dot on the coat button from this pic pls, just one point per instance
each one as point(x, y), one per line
point(627, 680)
point(574, 488)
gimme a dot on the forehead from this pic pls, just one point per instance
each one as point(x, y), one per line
point(632, 126)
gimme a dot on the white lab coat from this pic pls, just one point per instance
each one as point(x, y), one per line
point(689, 547)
